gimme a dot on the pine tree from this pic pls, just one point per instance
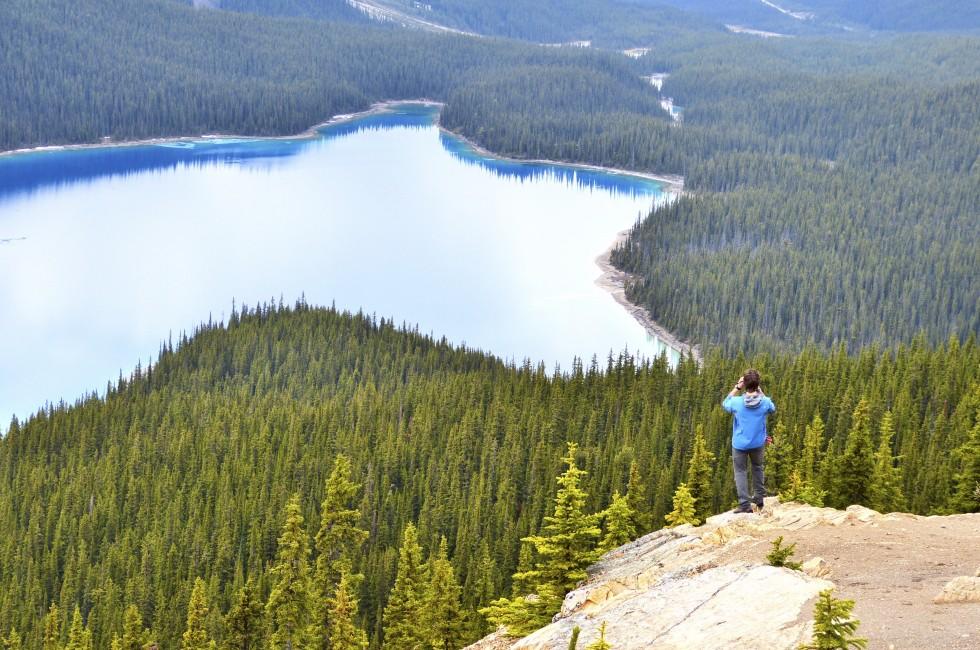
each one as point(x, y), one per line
point(885, 491)
point(684, 508)
point(444, 615)
point(636, 499)
point(196, 636)
point(51, 640)
point(79, 636)
point(600, 643)
point(406, 602)
point(857, 463)
point(833, 628)
point(288, 607)
point(337, 542)
point(699, 471)
point(619, 524)
point(343, 633)
point(573, 641)
point(245, 622)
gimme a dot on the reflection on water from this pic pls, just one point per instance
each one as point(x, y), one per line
point(126, 245)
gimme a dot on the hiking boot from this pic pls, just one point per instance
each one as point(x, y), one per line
point(760, 506)
point(743, 510)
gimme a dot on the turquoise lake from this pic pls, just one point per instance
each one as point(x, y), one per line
point(126, 246)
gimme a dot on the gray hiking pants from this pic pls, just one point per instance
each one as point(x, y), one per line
point(740, 459)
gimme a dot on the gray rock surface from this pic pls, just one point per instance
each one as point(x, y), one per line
point(710, 587)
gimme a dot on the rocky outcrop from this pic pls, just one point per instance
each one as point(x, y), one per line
point(710, 586)
point(964, 589)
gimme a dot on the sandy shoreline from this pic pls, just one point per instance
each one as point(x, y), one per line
point(612, 279)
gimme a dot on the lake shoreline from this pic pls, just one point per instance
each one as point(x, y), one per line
point(310, 133)
point(612, 280)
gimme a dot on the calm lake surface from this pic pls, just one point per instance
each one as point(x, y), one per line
point(128, 245)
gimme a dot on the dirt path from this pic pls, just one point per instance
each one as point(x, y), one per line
point(893, 568)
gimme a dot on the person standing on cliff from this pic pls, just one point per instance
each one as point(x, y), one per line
point(749, 438)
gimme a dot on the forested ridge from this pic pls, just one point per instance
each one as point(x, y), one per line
point(201, 466)
point(80, 71)
point(833, 196)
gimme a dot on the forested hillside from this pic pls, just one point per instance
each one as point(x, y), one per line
point(834, 197)
point(185, 470)
point(76, 71)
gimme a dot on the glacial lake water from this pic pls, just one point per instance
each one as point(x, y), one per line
point(125, 246)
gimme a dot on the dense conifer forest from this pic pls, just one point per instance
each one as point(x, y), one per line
point(188, 485)
point(305, 477)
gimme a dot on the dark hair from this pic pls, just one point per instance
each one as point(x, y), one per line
point(751, 379)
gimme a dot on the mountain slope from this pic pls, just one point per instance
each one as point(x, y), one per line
point(184, 469)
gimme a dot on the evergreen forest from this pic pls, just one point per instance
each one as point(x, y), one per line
point(297, 462)
point(302, 477)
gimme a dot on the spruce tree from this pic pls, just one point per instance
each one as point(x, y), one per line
point(12, 641)
point(637, 501)
point(699, 472)
point(618, 519)
point(600, 643)
point(134, 636)
point(522, 585)
point(833, 627)
point(343, 632)
point(444, 615)
point(780, 555)
point(812, 445)
point(779, 462)
point(245, 622)
point(856, 465)
point(79, 636)
point(339, 536)
point(885, 491)
point(801, 491)
point(51, 639)
point(573, 640)
point(967, 495)
point(288, 607)
point(406, 602)
point(337, 543)
point(684, 508)
point(195, 635)
point(566, 545)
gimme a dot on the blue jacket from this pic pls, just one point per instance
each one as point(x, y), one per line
point(749, 425)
